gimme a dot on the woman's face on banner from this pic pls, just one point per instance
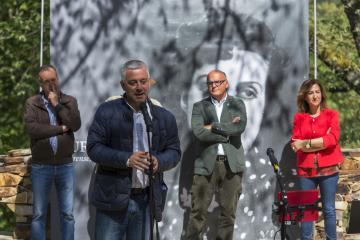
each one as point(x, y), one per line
point(246, 73)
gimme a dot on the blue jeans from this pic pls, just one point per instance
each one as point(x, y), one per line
point(134, 222)
point(327, 191)
point(42, 177)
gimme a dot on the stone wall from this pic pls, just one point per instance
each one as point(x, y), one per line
point(15, 191)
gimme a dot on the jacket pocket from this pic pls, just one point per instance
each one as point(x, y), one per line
point(111, 192)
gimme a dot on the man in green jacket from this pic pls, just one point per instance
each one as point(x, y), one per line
point(217, 123)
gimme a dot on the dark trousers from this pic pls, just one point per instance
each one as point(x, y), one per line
point(134, 222)
point(228, 185)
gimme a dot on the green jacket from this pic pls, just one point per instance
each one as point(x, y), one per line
point(224, 132)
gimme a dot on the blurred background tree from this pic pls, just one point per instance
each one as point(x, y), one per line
point(338, 62)
point(19, 64)
point(338, 32)
point(338, 66)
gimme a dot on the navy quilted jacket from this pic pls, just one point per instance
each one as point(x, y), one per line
point(110, 144)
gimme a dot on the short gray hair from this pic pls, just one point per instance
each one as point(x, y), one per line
point(132, 65)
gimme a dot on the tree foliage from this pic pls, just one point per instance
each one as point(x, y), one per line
point(352, 10)
point(338, 61)
point(19, 62)
point(338, 54)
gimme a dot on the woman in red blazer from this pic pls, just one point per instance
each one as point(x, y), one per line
point(315, 138)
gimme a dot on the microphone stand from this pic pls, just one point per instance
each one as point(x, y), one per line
point(149, 129)
point(150, 174)
point(284, 204)
point(284, 208)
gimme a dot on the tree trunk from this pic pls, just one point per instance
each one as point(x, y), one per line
point(352, 10)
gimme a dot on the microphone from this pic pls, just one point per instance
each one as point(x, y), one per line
point(147, 119)
point(274, 162)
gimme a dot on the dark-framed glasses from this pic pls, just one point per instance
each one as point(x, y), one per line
point(216, 82)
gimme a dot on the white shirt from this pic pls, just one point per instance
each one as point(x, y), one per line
point(218, 108)
point(139, 178)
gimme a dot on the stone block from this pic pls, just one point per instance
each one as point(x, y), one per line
point(339, 215)
point(341, 205)
point(22, 197)
point(348, 164)
point(20, 209)
point(340, 223)
point(355, 187)
point(30, 198)
point(355, 153)
point(19, 152)
point(20, 169)
point(21, 219)
point(339, 233)
point(348, 198)
point(8, 192)
point(343, 188)
point(9, 179)
point(320, 224)
point(13, 160)
point(355, 177)
point(339, 197)
point(6, 235)
point(356, 165)
point(355, 196)
point(352, 237)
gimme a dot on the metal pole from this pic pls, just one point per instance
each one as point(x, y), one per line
point(315, 42)
point(42, 33)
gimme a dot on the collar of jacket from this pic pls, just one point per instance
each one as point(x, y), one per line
point(209, 103)
point(148, 101)
point(128, 115)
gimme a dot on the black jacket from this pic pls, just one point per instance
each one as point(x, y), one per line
point(110, 144)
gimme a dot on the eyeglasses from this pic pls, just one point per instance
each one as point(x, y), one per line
point(216, 82)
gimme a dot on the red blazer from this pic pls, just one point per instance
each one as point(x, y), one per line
point(307, 127)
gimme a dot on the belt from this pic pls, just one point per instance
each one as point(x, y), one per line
point(221, 158)
point(137, 191)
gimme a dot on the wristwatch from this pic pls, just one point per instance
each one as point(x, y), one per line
point(308, 144)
